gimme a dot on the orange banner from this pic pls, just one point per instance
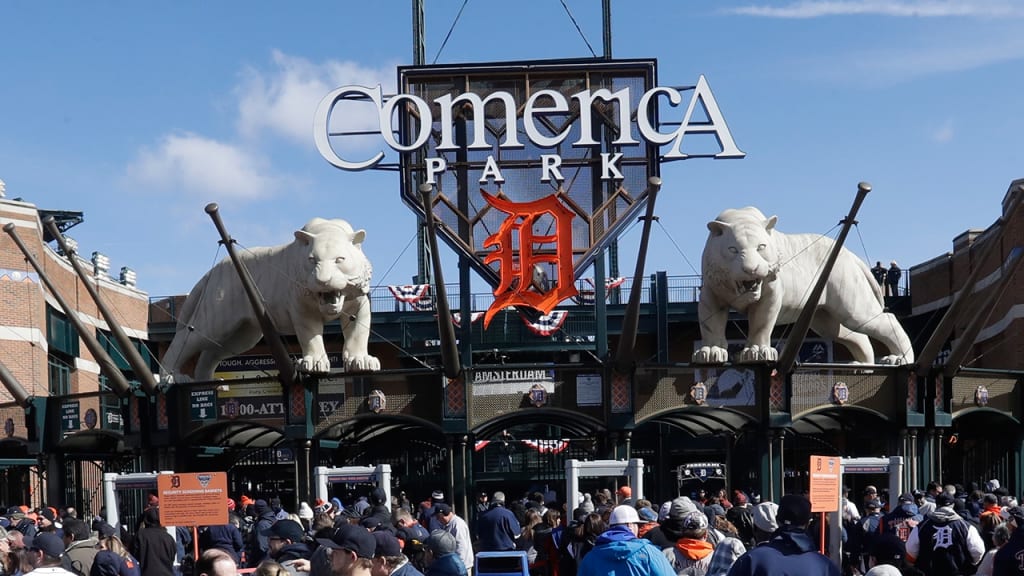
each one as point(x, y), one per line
point(193, 498)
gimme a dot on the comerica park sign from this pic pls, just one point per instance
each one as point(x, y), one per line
point(535, 167)
point(530, 113)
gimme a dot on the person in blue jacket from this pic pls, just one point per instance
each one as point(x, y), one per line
point(442, 557)
point(790, 552)
point(620, 552)
point(498, 529)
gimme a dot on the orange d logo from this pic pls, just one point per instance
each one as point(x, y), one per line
point(517, 266)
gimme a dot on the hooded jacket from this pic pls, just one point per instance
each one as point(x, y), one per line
point(259, 544)
point(936, 559)
point(621, 553)
point(790, 552)
point(688, 553)
point(447, 565)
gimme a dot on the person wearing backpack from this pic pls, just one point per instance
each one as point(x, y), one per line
point(742, 518)
point(902, 519)
point(945, 544)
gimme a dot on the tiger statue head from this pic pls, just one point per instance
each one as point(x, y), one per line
point(335, 268)
point(740, 255)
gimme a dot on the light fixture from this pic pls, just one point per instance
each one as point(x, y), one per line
point(128, 276)
point(100, 264)
point(71, 244)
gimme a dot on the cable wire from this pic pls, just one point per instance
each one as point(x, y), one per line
point(578, 29)
point(449, 34)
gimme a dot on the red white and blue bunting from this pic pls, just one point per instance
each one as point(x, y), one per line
point(473, 317)
point(586, 296)
point(547, 324)
point(542, 446)
point(409, 293)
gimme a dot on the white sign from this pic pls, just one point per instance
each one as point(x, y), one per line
point(499, 382)
point(708, 121)
point(588, 390)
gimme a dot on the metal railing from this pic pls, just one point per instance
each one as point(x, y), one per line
point(681, 289)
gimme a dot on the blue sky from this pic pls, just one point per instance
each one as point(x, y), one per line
point(139, 114)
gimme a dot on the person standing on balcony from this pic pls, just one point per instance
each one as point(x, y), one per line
point(892, 279)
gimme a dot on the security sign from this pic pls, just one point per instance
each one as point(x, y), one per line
point(193, 499)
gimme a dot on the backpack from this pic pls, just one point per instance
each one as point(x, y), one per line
point(743, 519)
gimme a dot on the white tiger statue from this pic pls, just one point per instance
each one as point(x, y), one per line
point(320, 276)
point(751, 267)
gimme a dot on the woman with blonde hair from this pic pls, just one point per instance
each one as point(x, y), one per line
point(113, 559)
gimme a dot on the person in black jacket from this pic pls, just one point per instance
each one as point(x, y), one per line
point(892, 279)
point(154, 547)
point(286, 539)
point(258, 544)
point(226, 537)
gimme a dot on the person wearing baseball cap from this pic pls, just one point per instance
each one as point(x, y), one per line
point(285, 540)
point(624, 494)
point(441, 556)
point(351, 549)
point(790, 550)
point(47, 550)
point(388, 559)
point(619, 551)
point(691, 552)
point(456, 526)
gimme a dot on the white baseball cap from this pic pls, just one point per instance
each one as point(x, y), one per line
point(623, 514)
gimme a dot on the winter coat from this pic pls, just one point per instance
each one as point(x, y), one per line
point(107, 563)
point(155, 549)
point(621, 553)
point(498, 529)
point(259, 544)
point(81, 554)
point(447, 565)
point(690, 556)
point(790, 552)
point(226, 537)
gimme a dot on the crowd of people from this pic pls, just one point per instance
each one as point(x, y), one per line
point(941, 531)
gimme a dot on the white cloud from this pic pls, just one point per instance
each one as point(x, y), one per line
point(196, 165)
point(951, 54)
point(281, 101)
point(911, 8)
point(944, 133)
point(284, 99)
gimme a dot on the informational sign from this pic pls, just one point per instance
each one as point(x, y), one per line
point(70, 413)
point(259, 365)
point(193, 499)
point(588, 390)
point(203, 404)
point(252, 401)
point(824, 486)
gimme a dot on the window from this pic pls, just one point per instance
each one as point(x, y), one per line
point(60, 375)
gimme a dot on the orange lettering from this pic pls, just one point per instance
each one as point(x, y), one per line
point(517, 267)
